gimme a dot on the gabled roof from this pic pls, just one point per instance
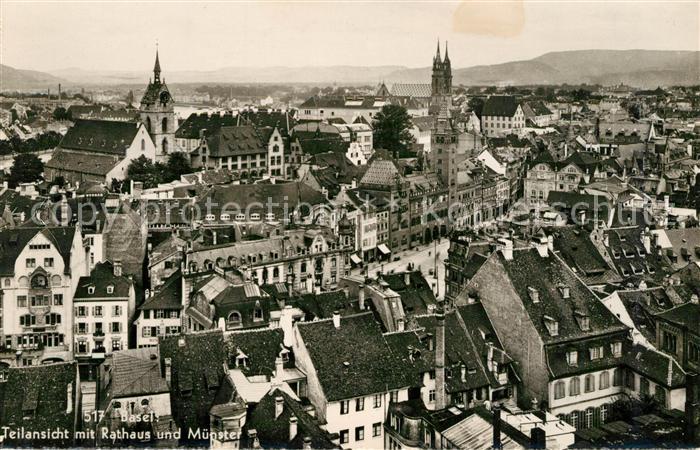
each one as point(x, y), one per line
point(686, 315)
point(136, 372)
point(353, 360)
point(381, 172)
point(235, 140)
point(168, 296)
point(13, 241)
point(95, 164)
point(195, 123)
point(101, 136)
point(101, 277)
point(261, 348)
point(500, 105)
point(423, 90)
point(577, 250)
point(552, 276)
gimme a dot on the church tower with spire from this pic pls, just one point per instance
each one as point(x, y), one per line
point(157, 112)
point(441, 84)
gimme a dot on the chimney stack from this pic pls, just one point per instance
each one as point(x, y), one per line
point(407, 278)
point(307, 442)
point(400, 325)
point(497, 427)
point(440, 400)
point(253, 437)
point(361, 296)
point(279, 406)
point(168, 370)
point(508, 250)
point(292, 427)
point(65, 212)
point(538, 438)
point(69, 398)
point(336, 319)
point(279, 367)
point(117, 268)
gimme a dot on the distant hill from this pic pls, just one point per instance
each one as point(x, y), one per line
point(641, 68)
point(11, 78)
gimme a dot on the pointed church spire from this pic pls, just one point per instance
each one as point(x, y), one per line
point(437, 55)
point(447, 58)
point(156, 68)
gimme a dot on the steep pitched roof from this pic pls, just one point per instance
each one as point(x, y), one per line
point(235, 140)
point(168, 296)
point(100, 278)
point(423, 90)
point(261, 347)
point(381, 172)
point(354, 359)
point(686, 315)
point(13, 241)
point(95, 164)
point(136, 372)
point(195, 123)
point(101, 136)
point(500, 105)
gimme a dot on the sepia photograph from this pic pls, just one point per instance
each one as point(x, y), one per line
point(350, 224)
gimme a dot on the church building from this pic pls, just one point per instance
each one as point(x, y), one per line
point(157, 113)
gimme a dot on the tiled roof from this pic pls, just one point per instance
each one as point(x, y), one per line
point(168, 296)
point(576, 249)
point(235, 140)
point(273, 432)
point(42, 392)
point(381, 173)
point(284, 120)
point(136, 372)
point(324, 304)
point(641, 305)
point(417, 296)
point(348, 102)
point(13, 241)
point(261, 347)
point(100, 278)
point(192, 126)
point(412, 90)
point(500, 105)
point(353, 360)
point(94, 164)
point(656, 366)
point(102, 136)
point(686, 315)
point(553, 275)
point(197, 369)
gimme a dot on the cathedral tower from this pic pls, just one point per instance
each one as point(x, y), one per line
point(157, 113)
point(441, 82)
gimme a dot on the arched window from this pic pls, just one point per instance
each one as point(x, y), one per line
point(143, 145)
point(589, 383)
point(575, 386)
point(617, 377)
point(165, 145)
point(234, 319)
point(604, 381)
point(144, 402)
point(559, 390)
point(164, 125)
point(275, 272)
point(148, 124)
point(258, 313)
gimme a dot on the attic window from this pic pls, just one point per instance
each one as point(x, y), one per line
point(534, 294)
point(91, 289)
point(552, 325)
point(583, 320)
point(110, 289)
point(564, 291)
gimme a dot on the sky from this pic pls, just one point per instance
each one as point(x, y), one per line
point(122, 35)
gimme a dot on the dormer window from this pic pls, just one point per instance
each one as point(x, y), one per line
point(564, 291)
point(91, 289)
point(572, 357)
point(552, 325)
point(241, 361)
point(534, 294)
point(596, 352)
point(583, 321)
point(110, 289)
point(615, 349)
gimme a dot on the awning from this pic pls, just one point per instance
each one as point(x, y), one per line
point(355, 259)
point(384, 249)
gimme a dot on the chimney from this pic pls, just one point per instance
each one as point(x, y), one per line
point(646, 238)
point(550, 243)
point(407, 278)
point(336, 319)
point(496, 427)
point(279, 406)
point(538, 438)
point(691, 408)
point(440, 401)
point(463, 372)
point(117, 268)
point(279, 367)
point(361, 296)
point(489, 356)
point(168, 370)
point(307, 442)
point(69, 398)
point(213, 238)
point(292, 427)
point(253, 437)
point(508, 250)
point(399, 324)
point(65, 212)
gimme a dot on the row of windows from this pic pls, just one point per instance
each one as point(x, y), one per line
point(161, 314)
point(155, 331)
point(97, 311)
point(360, 404)
point(31, 262)
point(589, 384)
point(84, 327)
point(360, 433)
point(39, 300)
point(29, 320)
point(239, 217)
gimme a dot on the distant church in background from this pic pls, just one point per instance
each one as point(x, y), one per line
point(441, 83)
point(157, 113)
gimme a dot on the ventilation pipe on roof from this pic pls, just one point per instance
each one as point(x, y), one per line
point(336, 319)
point(292, 427)
point(307, 442)
point(279, 406)
point(361, 296)
point(168, 370)
point(407, 278)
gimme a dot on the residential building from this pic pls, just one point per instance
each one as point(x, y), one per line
point(161, 313)
point(502, 115)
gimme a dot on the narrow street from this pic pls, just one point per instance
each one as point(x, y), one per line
point(424, 258)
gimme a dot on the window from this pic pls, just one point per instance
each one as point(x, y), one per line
point(344, 436)
point(660, 395)
point(53, 319)
point(116, 327)
point(575, 386)
point(596, 352)
point(143, 145)
point(616, 349)
point(81, 311)
point(48, 262)
point(559, 390)
point(359, 404)
point(110, 289)
point(146, 332)
point(604, 381)
point(146, 314)
point(394, 396)
point(572, 357)
point(31, 263)
point(630, 381)
point(431, 395)
point(258, 314)
point(377, 401)
point(22, 301)
point(97, 311)
point(58, 299)
point(344, 406)
point(617, 377)
point(116, 310)
point(359, 433)
point(234, 319)
point(116, 345)
point(377, 429)
point(643, 386)
point(668, 341)
point(27, 320)
point(589, 384)
point(91, 290)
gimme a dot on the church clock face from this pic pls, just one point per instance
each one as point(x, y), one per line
point(164, 97)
